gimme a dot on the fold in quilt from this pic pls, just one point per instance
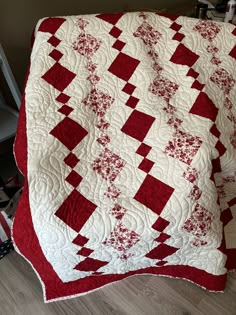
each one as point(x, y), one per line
point(127, 141)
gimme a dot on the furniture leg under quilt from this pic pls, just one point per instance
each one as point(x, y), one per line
point(127, 141)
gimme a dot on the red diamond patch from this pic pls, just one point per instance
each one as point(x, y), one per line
point(85, 252)
point(54, 41)
point(172, 17)
point(65, 110)
point(71, 160)
point(192, 73)
point(143, 149)
point(90, 264)
point(146, 165)
point(161, 263)
point(161, 252)
point(204, 107)
point(123, 66)
point(220, 148)
point(215, 131)
point(51, 25)
point(110, 18)
point(80, 240)
point(152, 190)
point(197, 85)
point(119, 45)
point(56, 54)
point(175, 26)
point(69, 132)
point(162, 238)
point(75, 210)
point(179, 37)
point(129, 88)
point(59, 77)
point(74, 179)
point(160, 224)
point(232, 202)
point(226, 216)
point(63, 98)
point(216, 167)
point(115, 32)
point(133, 128)
point(184, 56)
point(132, 102)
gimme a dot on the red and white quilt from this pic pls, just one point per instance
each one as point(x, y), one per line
point(127, 140)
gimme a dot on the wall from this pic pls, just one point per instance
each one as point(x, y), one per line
point(18, 18)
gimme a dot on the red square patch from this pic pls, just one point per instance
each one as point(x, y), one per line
point(58, 76)
point(150, 190)
point(138, 125)
point(124, 66)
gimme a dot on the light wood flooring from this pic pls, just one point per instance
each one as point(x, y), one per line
point(21, 294)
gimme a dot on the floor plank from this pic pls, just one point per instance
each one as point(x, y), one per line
point(21, 294)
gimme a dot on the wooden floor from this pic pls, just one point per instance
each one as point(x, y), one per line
point(21, 294)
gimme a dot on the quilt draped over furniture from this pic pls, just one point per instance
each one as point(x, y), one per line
point(127, 141)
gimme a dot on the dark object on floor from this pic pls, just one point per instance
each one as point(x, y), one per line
point(5, 248)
